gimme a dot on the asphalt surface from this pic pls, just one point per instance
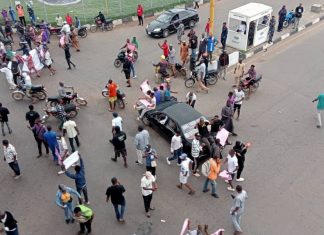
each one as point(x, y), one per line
point(283, 166)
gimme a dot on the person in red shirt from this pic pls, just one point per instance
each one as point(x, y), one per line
point(69, 19)
point(207, 27)
point(165, 48)
point(112, 96)
point(140, 14)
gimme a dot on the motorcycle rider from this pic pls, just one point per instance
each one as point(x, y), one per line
point(66, 28)
point(102, 19)
point(27, 84)
point(162, 67)
point(251, 78)
point(60, 113)
point(66, 96)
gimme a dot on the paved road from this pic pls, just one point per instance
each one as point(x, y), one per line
point(279, 120)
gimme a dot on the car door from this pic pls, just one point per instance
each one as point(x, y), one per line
point(184, 17)
point(158, 122)
point(174, 23)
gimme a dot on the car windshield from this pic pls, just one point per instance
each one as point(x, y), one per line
point(189, 129)
point(164, 17)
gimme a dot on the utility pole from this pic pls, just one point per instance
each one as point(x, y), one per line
point(211, 16)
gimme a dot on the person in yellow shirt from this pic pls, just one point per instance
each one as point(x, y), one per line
point(214, 168)
point(238, 73)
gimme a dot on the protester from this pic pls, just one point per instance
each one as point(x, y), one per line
point(238, 101)
point(84, 215)
point(21, 14)
point(4, 112)
point(180, 32)
point(140, 14)
point(184, 52)
point(119, 145)
point(195, 152)
point(67, 53)
point(227, 115)
point(150, 156)
point(47, 60)
point(207, 26)
point(186, 165)
point(237, 209)
point(75, 39)
point(116, 121)
point(130, 57)
point(142, 139)
point(205, 136)
point(240, 151)
point(135, 42)
point(10, 224)
point(12, 14)
point(64, 200)
point(202, 49)
point(213, 168)
point(31, 65)
point(148, 186)
point(191, 99)
point(272, 26)
point(112, 95)
point(238, 72)
point(31, 14)
point(215, 125)
point(59, 20)
point(115, 192)
point(298, 15)
point(165, 48)
point(77, 24)
point(70, 128)
point(66, 28)
point(223, 63)
point(69, 19)
point(232, 167)
point(193, 44)
point(127, 69)
point(210, 47)
point(62, 152)
point(10, 156)
point(224, 35)
point(9, 76)
point(282, 16)
point(176, 148)
point(80, 180)
point(31, 116)
point(50, 138)
point(172, 60)
point(39, 129)
point(9, 31)
point(320, 108)
point(150, 106)
point(201, 77)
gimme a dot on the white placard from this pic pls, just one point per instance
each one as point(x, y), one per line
point(70, 160)
point(222, 135)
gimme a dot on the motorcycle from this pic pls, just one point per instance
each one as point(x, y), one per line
point(245, 84)
point(108, 26)
point(83, 32)
point(73, 98)
point(70, 109)
point(120, 97)
point(290, 19)
point(37, 91)
point(211, 78)
point(122, 56)
point(180, 69)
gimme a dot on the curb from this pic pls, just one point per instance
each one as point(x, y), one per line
point(249, 54)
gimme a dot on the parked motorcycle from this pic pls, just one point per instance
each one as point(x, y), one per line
point(37, 91)
point(180, 69)
point(211, 78)
point(245, 84)
point(70, 109)
point(73, 98)
point(122, 56)
point(120, 97)
point(83, 32)
point(290, 19)
point(98, 24)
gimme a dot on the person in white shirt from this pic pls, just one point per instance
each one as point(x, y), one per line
point(70, 128)
point(201, 77)
point(242, 28)
point(66, 28)
point(232, 167)
point(47, 60)
point(9, 76)
point(237, 209)
point(150, 106)
point(10, 156)
point(238, 100)
point(191, 98)
point(63, 152)
point(195, 151)
point(59, 20)
point(148, 186)
point(186, 165)
point(116, 121)
point(176, 148)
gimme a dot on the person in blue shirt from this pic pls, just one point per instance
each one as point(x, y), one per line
point(224, 35)
point(50, 137)
point(157, 95)
point(80, 180)
point(210, 46)
point(12, 14)
point(65, 201)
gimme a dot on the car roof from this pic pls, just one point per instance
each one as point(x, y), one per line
point(181, 113)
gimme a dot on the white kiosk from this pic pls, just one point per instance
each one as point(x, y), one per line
point(248, 26)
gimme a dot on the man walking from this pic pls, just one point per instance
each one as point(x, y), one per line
point(240, 151)
point(186, 165)
point(115, 192)
point(9, 223)
point(4, 112)
point(272, 26)
point(80, 180)
point(84, 215)
point(232, 167)
point(237, 209)
point(176, 148)
point(320, 108)
point(140, 14)
point(32, 116)
point(9, 76)
point(224, 35)
point(116, 121)
point(238, 72)
point(214, 165)
point(223, 63)
point(148, 186)
point(68, 55)
point(180, 32)
point(193, 44)
point(70, 128)
point(112, 96)
point(238, 100)
point(50, 138)
point(282, 16)
point(202, 46)
point(39, 130)
point(10, 156)
point(195, 151)
point(142, 139)
point(298, 15)
point(119, 145)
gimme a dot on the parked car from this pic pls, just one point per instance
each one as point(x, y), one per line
point(168, 22)
point(170, 116)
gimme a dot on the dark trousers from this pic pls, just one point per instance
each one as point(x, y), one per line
point(196, 5)
point(140, 20)
point(15, 167)
point(86, 225)
point(280, 24)
point(69, 62)
point(147, 202)
point(39, 145)
point(84, 190)
point(223, 41)
point(151, 169)
point(22, 20)
point(240, 161)
point(15, 78)
point(76, 141)
point(16, 232)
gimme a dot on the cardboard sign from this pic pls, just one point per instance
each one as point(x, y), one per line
point(222, 135)
point(184, 227)
point(70, 160)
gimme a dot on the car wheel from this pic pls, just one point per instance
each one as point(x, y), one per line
point(146, 120)
point(192, 24)
point(166, 33)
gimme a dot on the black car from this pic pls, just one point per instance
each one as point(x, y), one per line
point(169, 20)
point(170, 116)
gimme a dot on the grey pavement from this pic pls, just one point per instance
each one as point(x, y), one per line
point(283, 167)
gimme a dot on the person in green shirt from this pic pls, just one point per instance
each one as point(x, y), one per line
point(320, 108)
point(135, 42)
point(84, 215)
